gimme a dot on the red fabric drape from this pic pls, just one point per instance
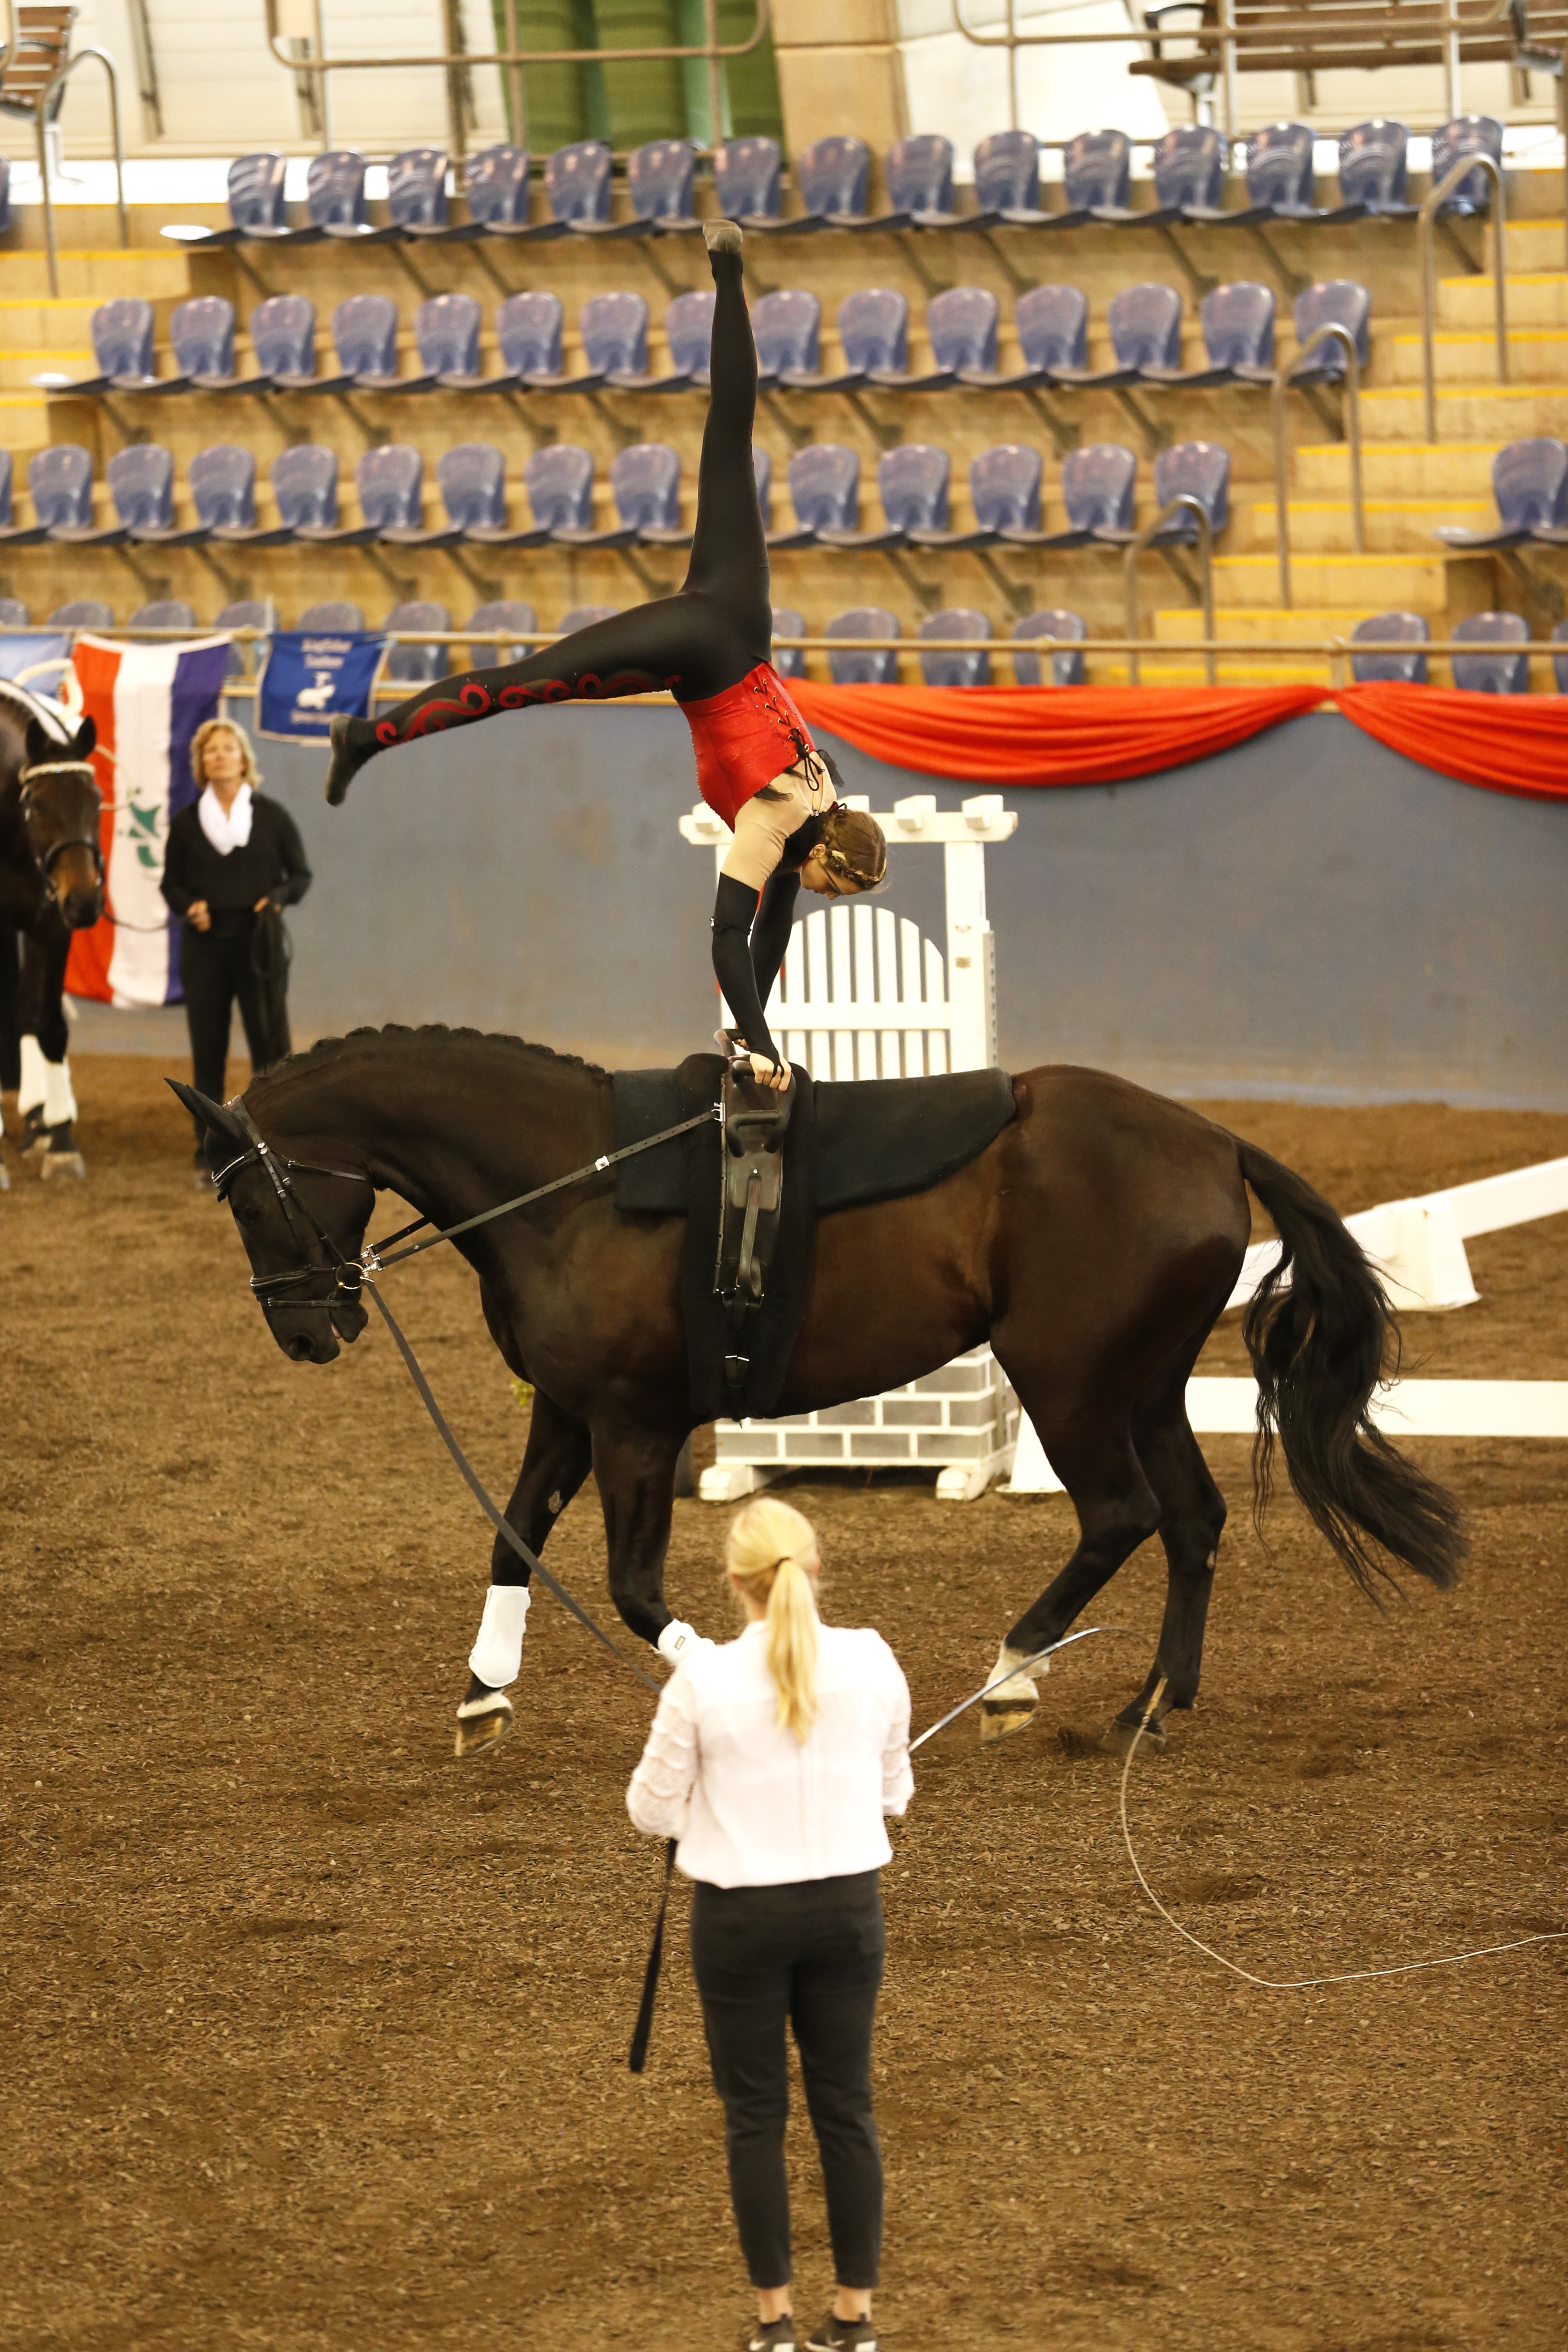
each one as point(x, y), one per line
point(1098, 734)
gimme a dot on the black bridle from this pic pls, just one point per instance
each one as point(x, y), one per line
point(46, 859)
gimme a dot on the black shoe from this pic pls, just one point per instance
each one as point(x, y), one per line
point(348, 757)
point(777, 2336)
point(832, 2334)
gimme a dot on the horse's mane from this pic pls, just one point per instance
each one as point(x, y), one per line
point(395, 1035)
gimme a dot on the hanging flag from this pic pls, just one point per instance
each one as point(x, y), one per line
point(147, 701)
point(309, 675)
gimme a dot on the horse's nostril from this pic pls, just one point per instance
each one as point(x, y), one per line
point(299, 1347)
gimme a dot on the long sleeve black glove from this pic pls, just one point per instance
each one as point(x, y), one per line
point(734, 908)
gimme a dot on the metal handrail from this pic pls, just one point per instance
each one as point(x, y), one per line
point(318, 65)
point(1224, 37)
point(41, 111)
point(1434, 197)
point(1184, 503)
point(1332, 330)
point(491, 633)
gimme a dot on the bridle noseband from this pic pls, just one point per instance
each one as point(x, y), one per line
point(348, 1274)
point(46, 859)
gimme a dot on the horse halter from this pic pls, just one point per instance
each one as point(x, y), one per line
point(347, 1273)
point(56, 849)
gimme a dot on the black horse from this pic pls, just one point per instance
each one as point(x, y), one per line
point(51, 884)
point(1095, 1242)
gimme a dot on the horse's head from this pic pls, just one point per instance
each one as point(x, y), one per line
point(303, 1224)
point(62, 804)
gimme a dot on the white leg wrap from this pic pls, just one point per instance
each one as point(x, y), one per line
point(34, 1086)
point(497, 1654)
point(1020, 1690)
point(59, 1101)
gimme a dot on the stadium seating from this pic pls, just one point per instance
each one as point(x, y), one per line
point(1529, 484)
point(13, 533)
point(1560, 661)
point(141, 484)
point(1467, 134)
point(746, 180)
point(956, 668)
point(1405, 669)
point(1098, 483)
point(919, 175)
point(59, 480)
point(1337, 301)
point(583, 616)
point(249, 613)
point(336, 614)
point(416, 665)
point(1057, 627)
point(824, 490)
point(859, 666)
point(305, 485)
point(82, 613)
point(559, 481)
point(223, 488)
point(502, 612)
point(1237, 323)
point(788, 660)
point(257, 211)
point(529, 328)
point(471, 479)
point(1373, 172)
point(14, 614)
point(495, 184)
point(1499, 671)
point(121, 333)
point(163, 613)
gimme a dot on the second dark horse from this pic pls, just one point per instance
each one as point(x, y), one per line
point(1094, 1243)
point(51, 884)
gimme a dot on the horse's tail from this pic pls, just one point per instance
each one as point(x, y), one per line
point(1319, 1349)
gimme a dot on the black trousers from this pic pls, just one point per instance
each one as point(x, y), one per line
point(217, 973)
point(697, 642)
point(811, 1954)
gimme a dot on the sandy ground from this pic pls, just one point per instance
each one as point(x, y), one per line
point(315, 2039)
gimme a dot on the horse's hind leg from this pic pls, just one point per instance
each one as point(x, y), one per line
point(555, 1461)
point(1095, 1461)
point(1191, 1515)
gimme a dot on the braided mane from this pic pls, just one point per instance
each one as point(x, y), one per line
point(395, 1035)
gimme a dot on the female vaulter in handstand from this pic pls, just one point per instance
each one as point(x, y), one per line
point(756, 764)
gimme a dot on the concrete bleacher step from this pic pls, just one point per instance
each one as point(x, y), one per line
point(1534, 245)
point(1477, 411)
point(1330, 582)
point(1536, 356)
point(100, 272)
point(1535, 299)
point(1414, 468)
point(1325, 525)
point(24, 426)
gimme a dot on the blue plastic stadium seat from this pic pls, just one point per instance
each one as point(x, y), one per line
point(59, 480)
point(390, 480)
point(746, 179)
point(256, 207)
point(824, 490)
point(559, 479)
point(1097, 175)
point(1560, 661)
point(956, 668)
point(471, 479)
point(874, 329)
point(529, 329)
point(1405, 669)
point(6, 212)
point(305, 485)
point(1529, 484)
point(787, 326)
point(447, 332)
point(762, 475)
point(645, 483)
point(1343, 303)
point(918, 175)
point(14, 614)
point(495, 185)
point(334, 193)
point(1194, 470)
point(202, 334)
point(82, 613)
point(689, 332)
point(1189, 172)
point(13, 533)
point(583, 616)
point(1497, 672)
point(283, 336)
point(832, 175)
point(1373, 171)
point(416, 192)
point(1146, 324)
point(577, 186)
point(1007, 177)
point(163, 613)
point(660, 180)
point(364, 336)
point(416, 665)
point(247, 613)
point(223, 487)
point(1005, 487)
point(1238, 328)
point(1098, 483)
point(122, 339)
point(503, 614)
point(1280, 170)
point(336, 614)
point(1052, 323)
point(613, 328)
point(1057, 626)
point(859, 666)
point(961, 324)
point(913, 481)
point(141, 484)
point(1467, 134)
point(789, 661)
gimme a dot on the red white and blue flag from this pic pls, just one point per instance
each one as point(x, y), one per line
point(147, 702)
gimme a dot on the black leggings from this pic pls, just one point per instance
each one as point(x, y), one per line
point(697, 642)
point(809, 1956)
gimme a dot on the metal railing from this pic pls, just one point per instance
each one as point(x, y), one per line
point(315, 64)
point(1429, 213)
point(1185, 503)
point(1226, 39)
point(45, 100)
point(1332, 331)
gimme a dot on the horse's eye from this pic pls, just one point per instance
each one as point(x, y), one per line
point(248, 1216)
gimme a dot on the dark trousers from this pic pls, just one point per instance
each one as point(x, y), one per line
point(216, 973)
point(811, 1954)
point(697, 642)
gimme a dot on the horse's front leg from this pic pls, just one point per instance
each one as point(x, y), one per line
point(636, 1470)
point(44, 1097)
point(555, 1461)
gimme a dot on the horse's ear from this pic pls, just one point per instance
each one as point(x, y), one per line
point(40, 743)
point(212, 1115)
point(86, 736)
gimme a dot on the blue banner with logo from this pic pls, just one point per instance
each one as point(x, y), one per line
point(309, 675)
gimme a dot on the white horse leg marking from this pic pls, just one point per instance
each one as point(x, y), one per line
point(60, 1098)
point(497, 1654)
point(33, 1088)
point(1019, 1691)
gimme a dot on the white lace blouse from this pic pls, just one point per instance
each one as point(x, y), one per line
point(752, 1805)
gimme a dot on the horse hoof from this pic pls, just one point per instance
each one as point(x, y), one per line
point(999, 1718)
point(1120, 1734)
point(62, 1163)
point(482, 1724)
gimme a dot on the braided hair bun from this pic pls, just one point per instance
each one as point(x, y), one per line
point(853, 847)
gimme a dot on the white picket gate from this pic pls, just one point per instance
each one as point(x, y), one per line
point(862, 994)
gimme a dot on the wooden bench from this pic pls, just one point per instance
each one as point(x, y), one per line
point(1319, 36)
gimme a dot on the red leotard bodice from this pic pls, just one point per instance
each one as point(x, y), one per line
point(743, 739)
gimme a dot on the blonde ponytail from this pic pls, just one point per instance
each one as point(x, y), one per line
point(769, 1555)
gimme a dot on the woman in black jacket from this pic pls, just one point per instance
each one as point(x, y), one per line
point(234, 859)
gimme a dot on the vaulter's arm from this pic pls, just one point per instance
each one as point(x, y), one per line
point(734, 910)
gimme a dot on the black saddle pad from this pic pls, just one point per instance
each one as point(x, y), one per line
point(875, 1138)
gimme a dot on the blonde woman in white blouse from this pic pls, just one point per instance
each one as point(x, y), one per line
point(774, 1759)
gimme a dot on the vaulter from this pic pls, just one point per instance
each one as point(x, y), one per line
point(708, 645)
